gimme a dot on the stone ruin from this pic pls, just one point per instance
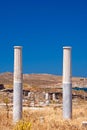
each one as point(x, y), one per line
point(35, 99)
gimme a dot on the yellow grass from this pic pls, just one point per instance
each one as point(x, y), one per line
point(48, 118)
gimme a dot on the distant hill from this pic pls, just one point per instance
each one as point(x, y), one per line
point(31, 79)
point(6, 78)
point(41, 79)
point(37, 79)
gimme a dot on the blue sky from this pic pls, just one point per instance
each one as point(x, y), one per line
point(43, 28)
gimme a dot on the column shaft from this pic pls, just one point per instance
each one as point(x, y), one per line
point(67, 83)
point(18, 78)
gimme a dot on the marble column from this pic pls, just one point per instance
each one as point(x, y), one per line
point(54, 96)
point(47, 98)
point(67, 83)
point(18, 79)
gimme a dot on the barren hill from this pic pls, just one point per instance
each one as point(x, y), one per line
point(41, 79)
point(37, 79)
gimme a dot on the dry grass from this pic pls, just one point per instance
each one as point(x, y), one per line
point(5, 123)
point(48, 118)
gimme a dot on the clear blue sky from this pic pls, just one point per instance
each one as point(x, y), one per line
point(43, 28)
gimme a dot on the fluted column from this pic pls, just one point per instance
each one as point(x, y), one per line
point(67, 83)
point(18, 78)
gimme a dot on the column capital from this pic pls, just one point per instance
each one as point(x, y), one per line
point(67, 47)
point(17, 47)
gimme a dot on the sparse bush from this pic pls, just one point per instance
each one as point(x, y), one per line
point(23, 125)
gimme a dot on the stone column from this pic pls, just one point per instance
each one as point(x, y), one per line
point(47, 98)
point(54, 97)
point(18, 78)
point(29, 94)
point(67, 83)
